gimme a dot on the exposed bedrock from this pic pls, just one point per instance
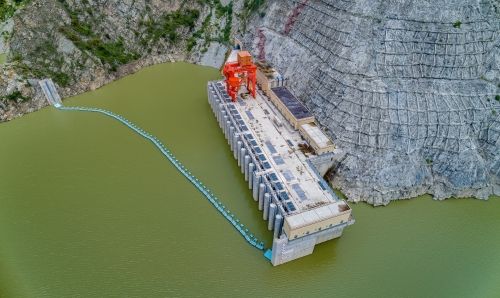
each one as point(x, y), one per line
point(407, 87)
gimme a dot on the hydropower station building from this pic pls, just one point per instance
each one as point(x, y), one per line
point(283, 155)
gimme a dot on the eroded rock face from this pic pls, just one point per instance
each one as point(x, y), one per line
point(46, 33)
point(406, 87)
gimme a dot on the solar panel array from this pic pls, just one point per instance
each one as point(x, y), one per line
point(273, 176)
point(249, 114)
point(284, 195)
point(271, 147)
point(288, 175)
point(278, 160)
point(299, 192)
point(289, 142)
point(267, 165)
point(290, 206)
point(262, 157)
point(279, 186)
point(240, 101)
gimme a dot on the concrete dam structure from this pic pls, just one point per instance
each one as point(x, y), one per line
point(283, 156)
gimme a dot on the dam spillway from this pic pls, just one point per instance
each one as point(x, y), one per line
point(286, 180)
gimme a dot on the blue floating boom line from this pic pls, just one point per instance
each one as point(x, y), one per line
point(206, 192)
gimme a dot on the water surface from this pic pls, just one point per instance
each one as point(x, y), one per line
point(90, 208)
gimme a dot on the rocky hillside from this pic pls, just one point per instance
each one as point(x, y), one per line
point(409, 88)
point(84, 44)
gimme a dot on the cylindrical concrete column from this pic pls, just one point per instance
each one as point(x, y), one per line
point(250, 175)
point(234, 144)
point(262, 190)
point(243, 162)
point(267, 198)
point(261, 202)
point(237, 151)
point(256, 181)
point(272, 210)
point(247, 163)
point(224, 122)
point(230, 139)
point(243, 152)
point(277, 225)
point(228, 125)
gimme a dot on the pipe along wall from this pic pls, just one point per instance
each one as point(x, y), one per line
point(184, 171)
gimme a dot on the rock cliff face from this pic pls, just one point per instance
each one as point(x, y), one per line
point(84, 44)
point(409, 88)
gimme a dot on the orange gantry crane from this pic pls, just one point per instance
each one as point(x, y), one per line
point(240, 72)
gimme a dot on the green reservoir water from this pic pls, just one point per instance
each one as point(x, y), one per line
point(88, 208)
point(3, 58)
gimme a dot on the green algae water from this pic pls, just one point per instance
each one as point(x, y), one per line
point(90, 208)
point(3, 58)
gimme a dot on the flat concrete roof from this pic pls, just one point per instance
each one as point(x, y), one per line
point(293, 104)
point(317, 135)
point(315, 215)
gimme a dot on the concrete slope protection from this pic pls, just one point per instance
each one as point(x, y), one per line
point(184, 171)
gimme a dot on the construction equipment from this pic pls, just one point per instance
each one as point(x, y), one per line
point(243, 71)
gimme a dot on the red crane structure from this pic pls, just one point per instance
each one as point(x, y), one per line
point(240, 72)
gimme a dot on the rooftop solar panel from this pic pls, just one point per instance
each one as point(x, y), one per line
point(271, 147)
point(242, 122)
point(279, 186)
point(288, 175)
point(254, 143)
point(249, 136)
point(249, 114)
point(240, 101)
point(238, 117)
point(299, 192)
point(266, 111)
point(245, 128)
point(267, 165)
point(278, 160)
point(257, 149)
point(291, 206)
point(262, 157)
point(284, 196)
point(273, 177)
point(289, 142)
point(293, 105)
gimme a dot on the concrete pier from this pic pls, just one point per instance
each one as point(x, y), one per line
point(250, 174)
point(266, 206)
point(262, 189)
point(256, 181)
point(277, 225)
point(237, 151)
point(231, 137)
point(272, 212)
point(247, 163)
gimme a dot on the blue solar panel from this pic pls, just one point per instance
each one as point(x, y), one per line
point(240, 101)
point(262, 157)
point(238, 117)
point(299, 192)
point(242, 122)
point(271, 147)
point(288, 175)
point(279, 186)
point(273, 177)
point(289, 142)
point(266, 111)
point(284, 196)
point(267, 165)
point(245, 128)
point(249, 114)
point(278, 160)
point(254, 143)
point(321, 185)
point(291, 206)
point(249, 136)
point(257, 149)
